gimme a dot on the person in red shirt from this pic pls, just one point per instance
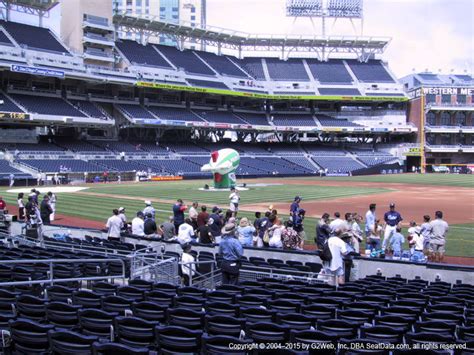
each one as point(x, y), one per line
point(3, 205)
point(202, 216)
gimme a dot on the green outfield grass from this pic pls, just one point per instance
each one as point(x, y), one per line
point(189, 191)
point(459, 180)
point(460, 240)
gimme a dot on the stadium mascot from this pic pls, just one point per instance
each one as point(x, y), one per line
point(223, 164)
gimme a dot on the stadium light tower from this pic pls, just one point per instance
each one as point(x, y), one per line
point(336, 9)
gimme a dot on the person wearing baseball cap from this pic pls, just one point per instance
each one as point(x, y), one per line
point(215, 222)
point(138, 224)
point(231, 251)
point(123, 216)
point(392, 219)
point(149, 209)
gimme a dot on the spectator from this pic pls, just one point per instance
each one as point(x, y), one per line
point(295, 206)
point(245, 232)
point(298, 224)
point(3, 205)
point(256, 222)
point(186, 232)
point(323, 231)
point(356, 232)
point(202, 217)
point(396, 243)
point(138, 225)
point(215, 222)
point(438, 237)
point(114, 225)
point(105, 176)
point(370, 219)
point(228, 216)
point(234, 198)
point(52, 203)
point(167, 229)
point(46, 210)
point(122, 216)
point(375, 234)
point(204, 234)
point(231, 251)
point(290, 237)
point(392, 218)
point(338, 248)
point(178, 213)
point(21, 207)
point(149, 226)
point(426, 231)
point(275, 233)
point(263, 225)
point(149, 209)
point(188, 268)
point(193, 214)
point(337, 223)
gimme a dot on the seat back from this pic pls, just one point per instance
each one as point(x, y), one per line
point(70, 343)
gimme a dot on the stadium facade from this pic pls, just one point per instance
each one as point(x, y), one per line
point(88, 99)
point(441, 107)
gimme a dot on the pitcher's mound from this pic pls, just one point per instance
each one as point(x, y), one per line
point(45, 189)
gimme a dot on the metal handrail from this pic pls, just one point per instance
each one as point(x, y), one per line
point(51, 279)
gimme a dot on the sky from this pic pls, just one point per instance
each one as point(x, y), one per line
point(434, 35)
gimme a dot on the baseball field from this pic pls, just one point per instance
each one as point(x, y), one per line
point(414, 195)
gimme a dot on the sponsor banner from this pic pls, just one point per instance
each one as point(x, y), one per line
point(412, 152)
point(14, 116)
point(358, 129)
point(399, 129)
point(222, 125)
point(440, 91)
point(332, 129)
point(198, 124)
point(166, 178)
point(266, 96)
point(175, 123)
point(379, 129)
point(264, 128)
point(37, 71)
point(150, 121)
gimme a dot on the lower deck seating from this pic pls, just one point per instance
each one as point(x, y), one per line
point(338, 164)
point(61, 165)
point(141, 316)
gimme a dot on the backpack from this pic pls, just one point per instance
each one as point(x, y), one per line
point(325, 254)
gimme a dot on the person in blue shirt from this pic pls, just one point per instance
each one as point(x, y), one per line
point(231, 251)
point(392, 218)
point(178, 214)
point(396, 243)
point(295, 206)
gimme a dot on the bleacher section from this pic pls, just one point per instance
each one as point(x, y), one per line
point(8, 105)
point(219, 116)
point(89, 108)
point(135, 111)
point(186, 60)
point(142, 55)
point(207, 84)
point(373, 71)
point(4, 40)
point(222, 65)
point(337, 164)
point(174, 114)
point(32, 37)
point(330, 72)
point(289, 70)
point(6, 169)
point(254, 67)
point(375, 160)
point(335, 122)
point(259, 119)
point(61, 165)
point(293, 120)
point(46, 105)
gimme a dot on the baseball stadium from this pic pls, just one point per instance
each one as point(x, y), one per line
point(168, 186)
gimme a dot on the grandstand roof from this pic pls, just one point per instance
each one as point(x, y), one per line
point(237, 39)
point(43, 5)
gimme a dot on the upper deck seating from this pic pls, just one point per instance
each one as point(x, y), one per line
point(139, 54)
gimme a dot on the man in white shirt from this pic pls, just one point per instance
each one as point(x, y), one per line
point(337, 223)
point(149, 209)
point(114, 225)
point(438, 237)
point(52, 203)
point(138, 224)
point(234, 198)
point(187, 267)
point(185, 232)
point(193, 214)
point(370, 219)
point(338, 249)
